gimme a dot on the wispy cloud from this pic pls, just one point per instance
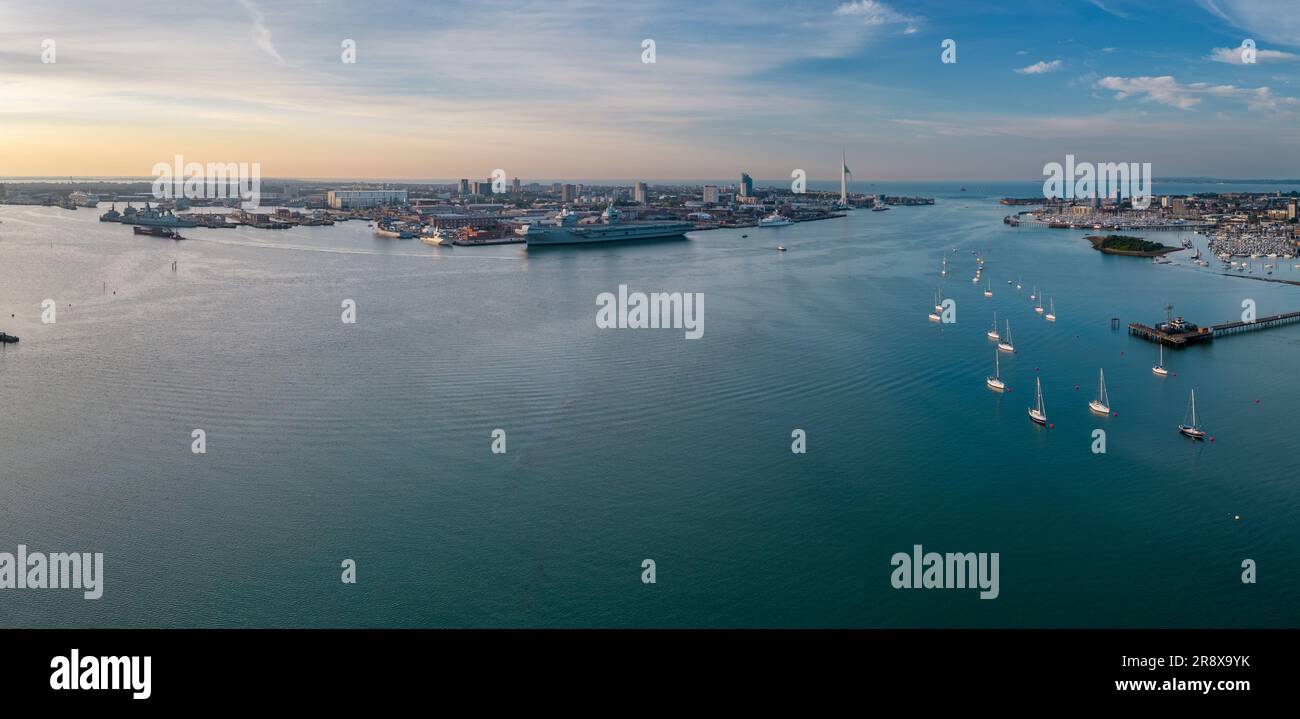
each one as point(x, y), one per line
point(1232, 55)
point(875, 13)
point(261, 34)
point(1166, 90)
point(1105, 8)
point(1040, 67)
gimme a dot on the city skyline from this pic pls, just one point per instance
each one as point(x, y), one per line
point(559, 90)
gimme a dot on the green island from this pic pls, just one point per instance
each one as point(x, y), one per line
point(1126, 245)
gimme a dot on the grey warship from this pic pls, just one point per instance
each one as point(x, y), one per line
point(566, 231)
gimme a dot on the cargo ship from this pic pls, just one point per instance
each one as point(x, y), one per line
point(567, 231)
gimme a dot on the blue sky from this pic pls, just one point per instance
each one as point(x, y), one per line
point(557, 89)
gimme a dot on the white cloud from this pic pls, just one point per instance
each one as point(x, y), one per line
point(875, 13)
point(1041, 67)
point(1232, 55)
point(261, 33)
point(1165, 90)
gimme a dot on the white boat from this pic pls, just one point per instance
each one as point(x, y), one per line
point(944, 272)
point(1018, 285)
point(1101, 405)
point(1160, 367)
point(937, 307)
point(776, 219)
point(1033, 294)
point(1051, 315)
point(436, 238)
point(1005, 343)
point(993, 331)
point(1038, 412)
point(1192, 427)
point(988, 290)
point(995, 382)
point(1039, 308)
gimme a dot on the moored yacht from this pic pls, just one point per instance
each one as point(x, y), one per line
point(1038, 413)
point(1101, 405)
point(995, 382)
point(1005, 343)
point(1159, 369)
point(1191, 426)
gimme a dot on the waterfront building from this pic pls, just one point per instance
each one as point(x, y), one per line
point(746, 185)
point(351, 199)
point(710, 194)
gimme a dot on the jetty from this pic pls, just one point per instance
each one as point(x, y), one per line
point(1177, 332)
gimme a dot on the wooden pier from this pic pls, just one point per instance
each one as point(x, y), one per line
point(1201, 335)
point(1261, 323)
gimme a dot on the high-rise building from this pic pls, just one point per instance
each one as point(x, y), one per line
point(710, 194)
point(514, 186)
point(482, 188)
point(638, 194)
point(556, 187)
point(746, 185)
point(463, 189)
point(568, 194)
point(1291, 209)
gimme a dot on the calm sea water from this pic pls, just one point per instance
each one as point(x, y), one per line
point(372, 441)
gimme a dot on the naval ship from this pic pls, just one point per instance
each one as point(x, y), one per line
point(566, 231)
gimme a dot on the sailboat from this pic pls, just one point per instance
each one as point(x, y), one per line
point(1038, 413)
point(1191, 427)
point(1051, 314)
point(988, 289)
point(1160, 368)
point(1018, 285)
point(944, 272)
point(993, 331)
point(995, 382)
point(937, 307)
point(1101, 405)
point(1039, 308)
point(1033, 294)
point(1005, 344)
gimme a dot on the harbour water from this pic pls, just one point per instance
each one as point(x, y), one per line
point(371, 441)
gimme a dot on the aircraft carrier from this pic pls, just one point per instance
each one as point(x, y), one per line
point(567, 231)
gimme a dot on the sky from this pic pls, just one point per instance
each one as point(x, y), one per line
point(558, 89)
